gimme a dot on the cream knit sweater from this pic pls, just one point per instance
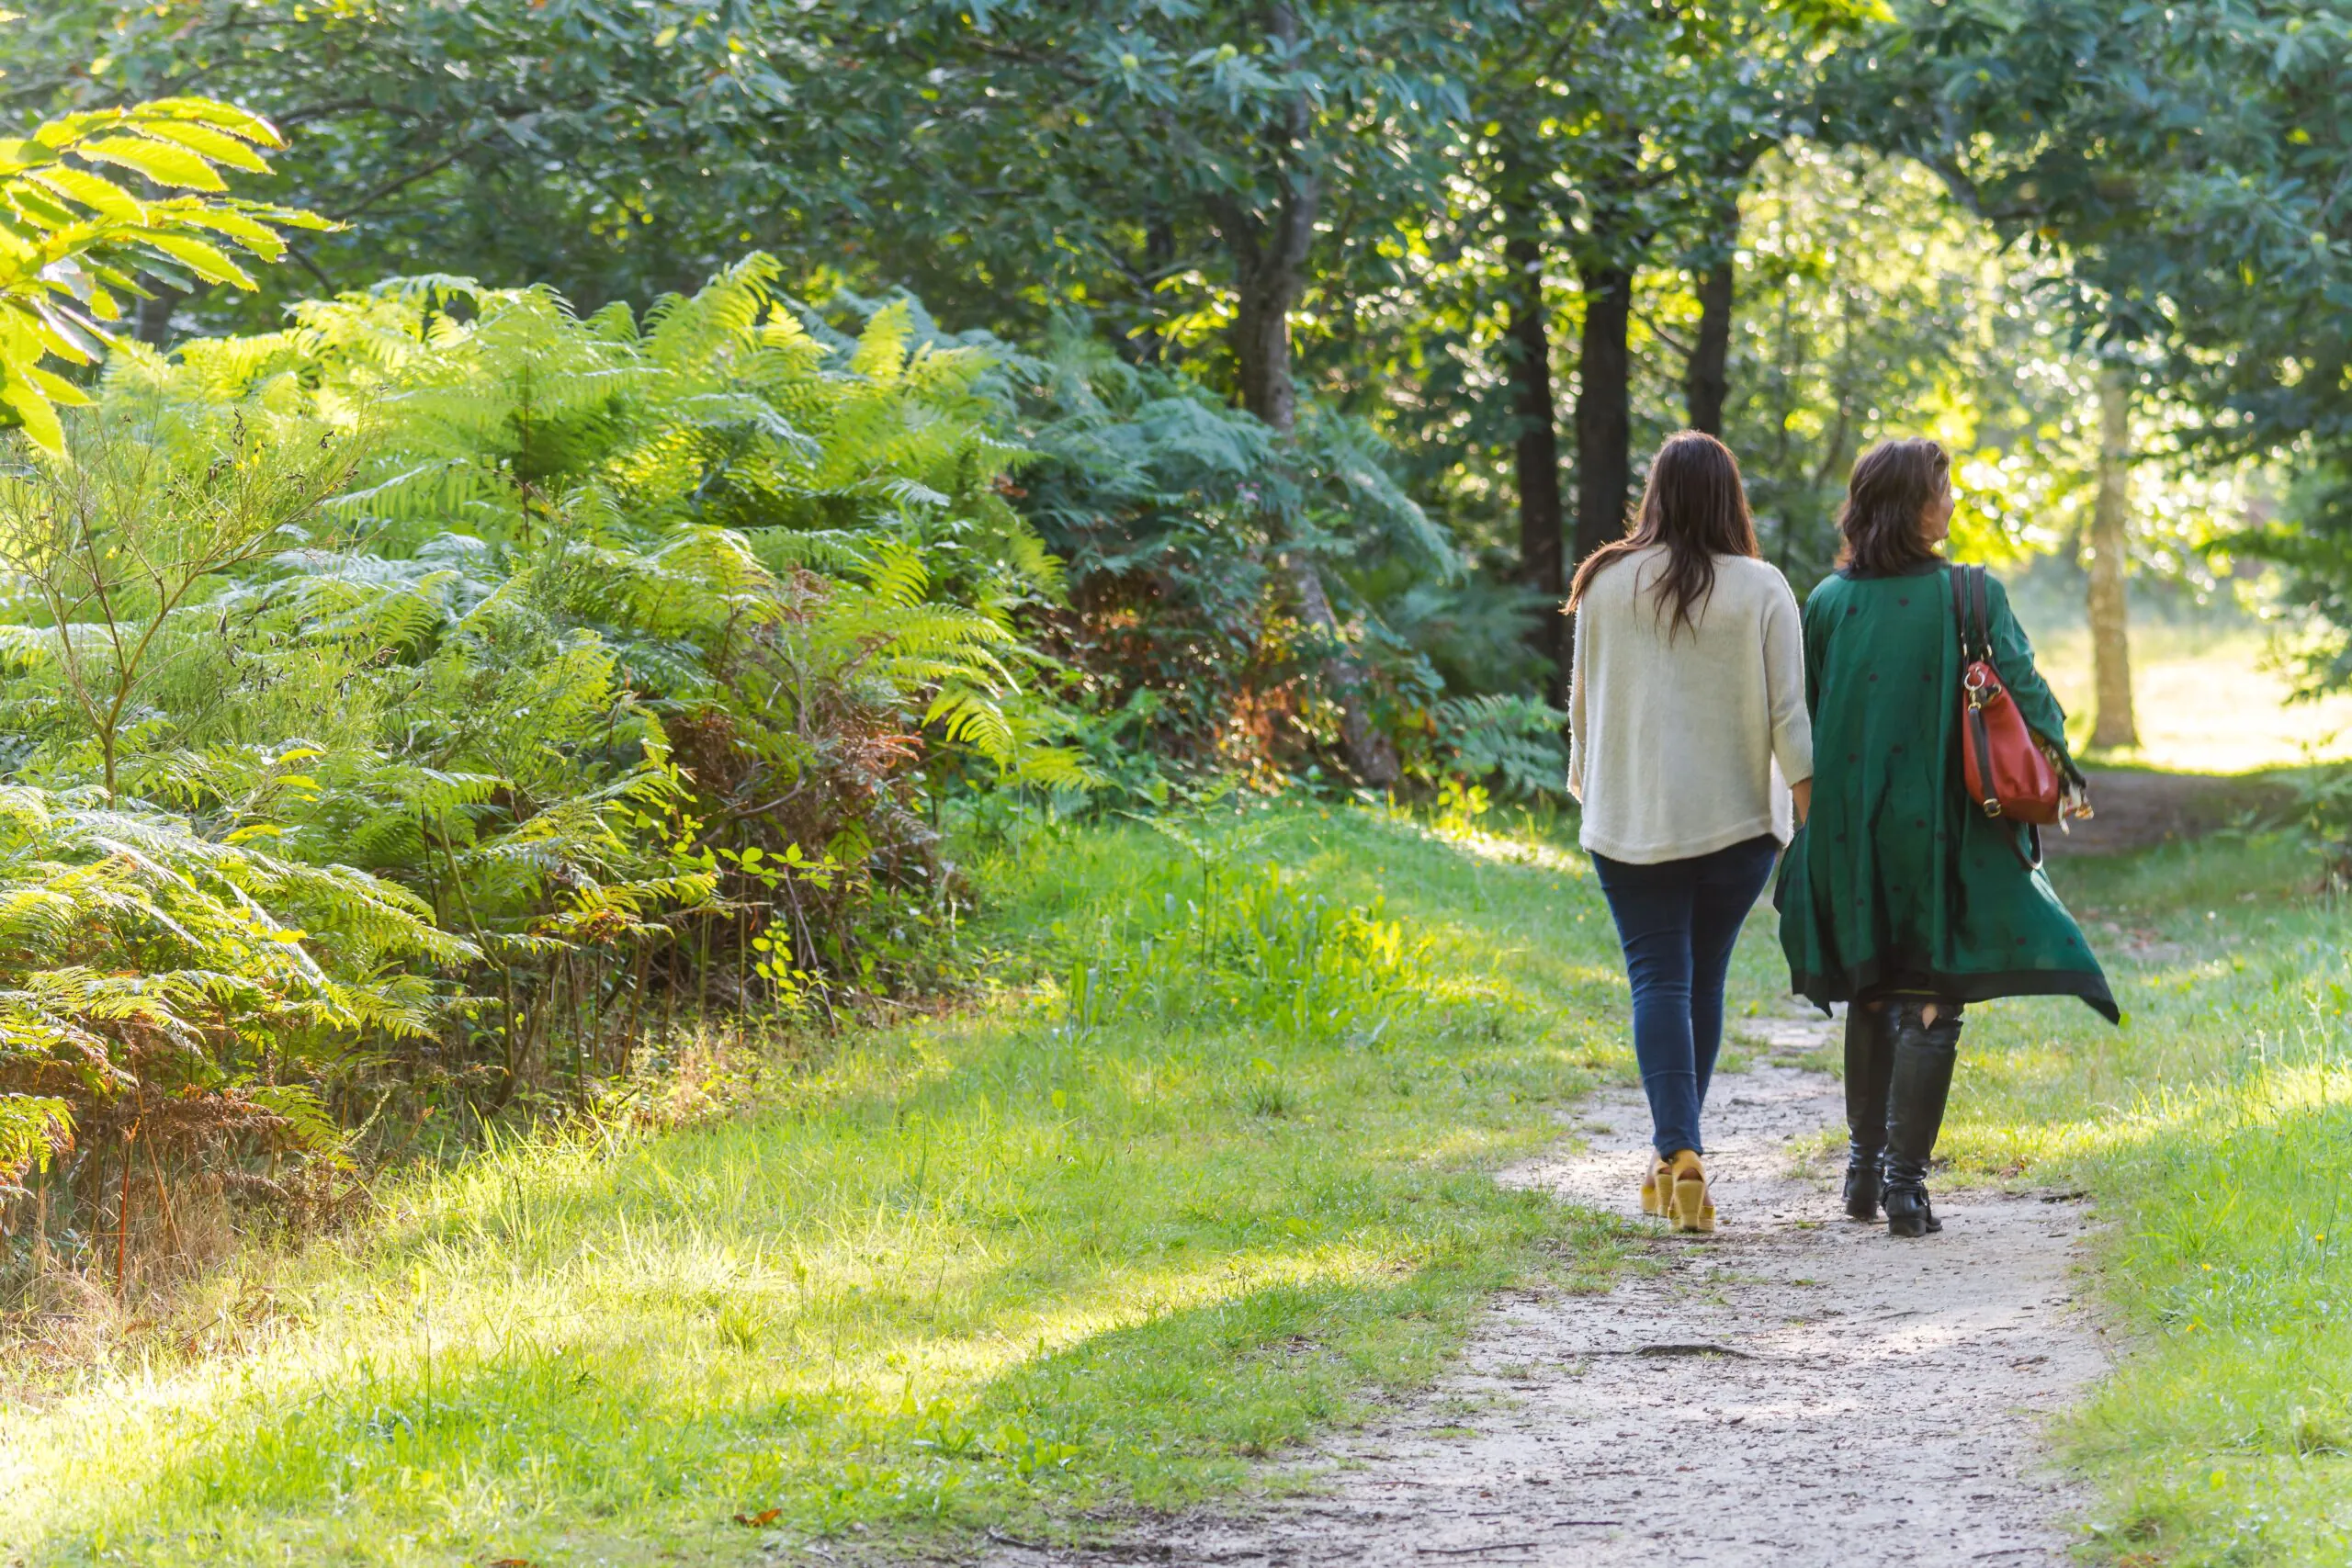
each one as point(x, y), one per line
point(1684, 744)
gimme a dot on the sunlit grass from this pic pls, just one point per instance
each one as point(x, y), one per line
point(991, 1270)
point(2206, 701)
point(2215, 1133)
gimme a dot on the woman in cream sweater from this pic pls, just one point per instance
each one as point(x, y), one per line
point(1689, 745)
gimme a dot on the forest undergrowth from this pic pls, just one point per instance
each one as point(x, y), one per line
point(1212, 1169)
point(412, 712)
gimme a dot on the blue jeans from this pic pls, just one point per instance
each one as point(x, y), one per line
point(1677, 920)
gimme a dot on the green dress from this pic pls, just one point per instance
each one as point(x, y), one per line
point(1897, 881)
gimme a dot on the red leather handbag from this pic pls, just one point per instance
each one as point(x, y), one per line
point(2003, 766)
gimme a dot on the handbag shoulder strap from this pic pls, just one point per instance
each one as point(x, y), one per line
point(1971, 609)
point(1979, 581)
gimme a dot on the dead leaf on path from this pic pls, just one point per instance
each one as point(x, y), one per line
point(511, 1562)
point(765, 1517)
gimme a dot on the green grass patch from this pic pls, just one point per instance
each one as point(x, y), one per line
point(1104, 1241)
point(2210, 699)
point(2215, 1133)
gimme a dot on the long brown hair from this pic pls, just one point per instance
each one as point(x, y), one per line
point(1693, 504)
point(1892, 486)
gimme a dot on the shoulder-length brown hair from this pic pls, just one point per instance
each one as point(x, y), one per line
point(1693, 504)
point(1892, 486)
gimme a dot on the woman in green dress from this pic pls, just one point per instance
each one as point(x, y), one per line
point(1899, 897)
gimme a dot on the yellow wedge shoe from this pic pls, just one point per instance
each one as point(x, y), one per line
point(1657, 1188)
point(1689, 1204)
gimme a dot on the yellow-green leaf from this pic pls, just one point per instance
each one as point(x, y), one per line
point(64, 337)
point(207, 261)
point(36, 207)
point(217, 145)
point(96, 192)
point(228, 116)
point(165, 163)
point(299, 218)
point(39, 419)
point(68, 228)
point(57, 389)
point(246, 231)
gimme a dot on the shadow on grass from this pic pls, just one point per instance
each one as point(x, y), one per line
point(998, 1268)
point(552, 1439)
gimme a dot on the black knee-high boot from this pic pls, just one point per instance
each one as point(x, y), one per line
point(1870, 1057)
point(1924, 1056)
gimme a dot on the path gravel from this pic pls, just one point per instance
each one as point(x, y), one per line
point(1797, 1390)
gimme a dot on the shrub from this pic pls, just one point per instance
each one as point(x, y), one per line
point(511, 673)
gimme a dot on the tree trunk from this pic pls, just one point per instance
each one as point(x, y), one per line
point(1261, 344)
point(1269, 273)
point(1709, 379)
point(151, 317)
point(1604, 407)
point(2111, 551)
point(1535, 453)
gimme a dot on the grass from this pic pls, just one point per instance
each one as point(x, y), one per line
point(1209, 1172)
point(2207, 700)
point(1220, 1178)
point(2215, 1133)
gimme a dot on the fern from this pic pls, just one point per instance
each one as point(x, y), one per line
point(1514, 740)
point(32, 1128)
point(1183, 523)
point(605, 643)
point(133, 936)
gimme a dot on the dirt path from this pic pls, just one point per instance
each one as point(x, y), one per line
point(1797, 1390)
point(2138, 811)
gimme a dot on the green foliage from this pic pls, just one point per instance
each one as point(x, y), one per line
point(514, 139)
point(1873, 306)
point(1174, 513)
point(1218, 159)
point(74, 242)
point(543, 139)
point(1248, 945)
point(1629, 128)
point(425, 703)
point(2313, 542)
point(117, 546)
point(1511, 739)
point(2324, 804)
point(2176, 158)
point(159, 983)
point(564, 669)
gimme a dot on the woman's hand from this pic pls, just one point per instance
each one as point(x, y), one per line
point(1802, 791)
